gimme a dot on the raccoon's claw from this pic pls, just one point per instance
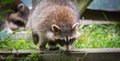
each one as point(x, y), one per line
point(67, 52)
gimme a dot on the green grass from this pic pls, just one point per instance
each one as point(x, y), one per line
point(18, 44)
point(98, 36)
point(11, 42)
point(92, 36)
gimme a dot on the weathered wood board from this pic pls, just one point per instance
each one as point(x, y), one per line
point(97, 54)
point(82, 5)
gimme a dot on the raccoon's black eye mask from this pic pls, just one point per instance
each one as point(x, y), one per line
point(19, 23)
point(63, 42)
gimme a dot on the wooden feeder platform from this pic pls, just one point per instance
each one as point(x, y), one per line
point(94, 54)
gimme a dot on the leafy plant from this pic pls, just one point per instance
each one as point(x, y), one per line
point(99, 36)
point(34, 57)
point(4, 2)
point(4, 38)
point(8, 41)
point(1, 18)
point(6, 11)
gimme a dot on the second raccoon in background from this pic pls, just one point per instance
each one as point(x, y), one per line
point(15, 19)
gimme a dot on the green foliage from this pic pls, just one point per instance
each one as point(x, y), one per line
point(20, 44)
point(34, 57)
point(1, 18)
point(99, 36)
point(92, 36)
point(4, 2)
point(10, 42)
point(6, 11)
point(4, 38)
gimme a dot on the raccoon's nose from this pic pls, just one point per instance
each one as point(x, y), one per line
point(66, 39)
point(67, 42)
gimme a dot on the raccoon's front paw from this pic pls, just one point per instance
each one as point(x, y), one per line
point(42, 48)
point(35, 38)
point(65, 51)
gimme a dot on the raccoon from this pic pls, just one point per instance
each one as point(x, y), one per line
point(20, 16)
point(54, 22)
point(17, 17)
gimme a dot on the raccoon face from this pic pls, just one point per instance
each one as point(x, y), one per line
point(20, 16)
point(61, 32)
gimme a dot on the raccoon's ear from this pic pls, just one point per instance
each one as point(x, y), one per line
point(75, 26)
point(21, 7)
point(55, 28)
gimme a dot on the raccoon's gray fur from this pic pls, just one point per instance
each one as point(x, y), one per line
point(54, 21)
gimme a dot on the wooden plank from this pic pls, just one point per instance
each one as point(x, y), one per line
point(82, 5)
point(101, 15)
point(94, 54)
point(85, 50)
point(90, 22)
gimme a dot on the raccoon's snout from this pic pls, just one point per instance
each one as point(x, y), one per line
point(67, 45)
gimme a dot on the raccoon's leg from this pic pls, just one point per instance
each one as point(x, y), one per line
point(52, 45)
point(35, 38)
point(42, 45)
